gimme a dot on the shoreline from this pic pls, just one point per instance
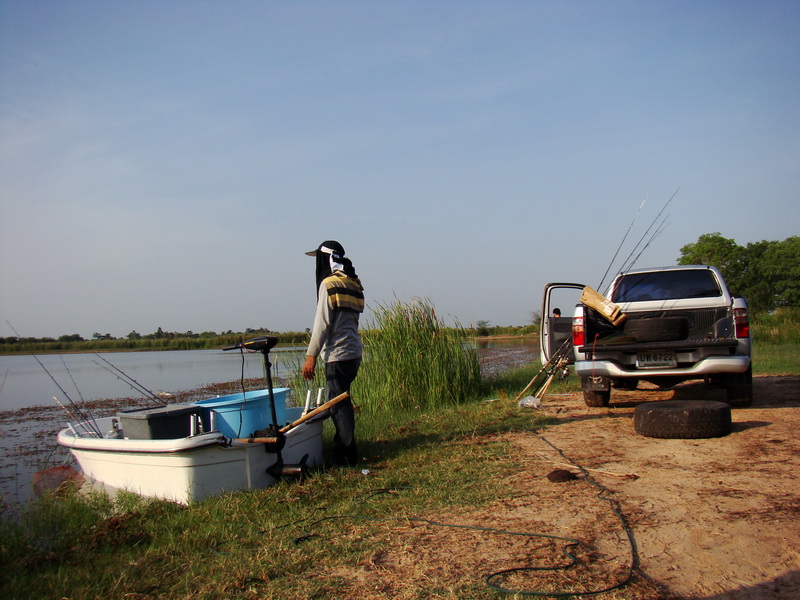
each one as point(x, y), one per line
point(28, 435)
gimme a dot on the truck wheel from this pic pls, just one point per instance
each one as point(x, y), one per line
point(597, 398)
point(657, 330)
point(683, 419)
point(739, 387)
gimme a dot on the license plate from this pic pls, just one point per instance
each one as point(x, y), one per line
point(656, 360)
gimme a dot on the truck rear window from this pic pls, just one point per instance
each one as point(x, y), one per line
point(666, 285)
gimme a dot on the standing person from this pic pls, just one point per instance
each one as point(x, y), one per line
point(340, 302)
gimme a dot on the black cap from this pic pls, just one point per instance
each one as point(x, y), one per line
point(330, 245)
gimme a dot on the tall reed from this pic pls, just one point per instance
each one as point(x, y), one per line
point(411, 360)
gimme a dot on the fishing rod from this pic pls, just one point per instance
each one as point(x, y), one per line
point(90, 420)
point(127, 379)
point(655, 235)
point(123, 380)
point(549, 368)
point(644, 235)
point(77, 389)
point(636, 216)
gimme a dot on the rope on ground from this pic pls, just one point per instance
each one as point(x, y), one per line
point(490, 580)
point(615, 508)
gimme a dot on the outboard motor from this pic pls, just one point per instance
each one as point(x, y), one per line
point(278, 469)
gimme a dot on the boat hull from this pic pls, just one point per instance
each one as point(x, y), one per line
point(187, 469)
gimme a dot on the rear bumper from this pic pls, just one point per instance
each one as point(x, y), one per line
point(707, 366)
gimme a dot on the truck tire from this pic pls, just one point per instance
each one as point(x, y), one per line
point(683, 419)
point(665, 329)
point(601, 398)
point(739, 388)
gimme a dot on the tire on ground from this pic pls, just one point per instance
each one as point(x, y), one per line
point(683, 419)
point(664, 329)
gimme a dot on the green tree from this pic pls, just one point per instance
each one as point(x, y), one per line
point(780, 264)
point(714, 250)
point(70, 338)
point(482, 328)
point(767, 273)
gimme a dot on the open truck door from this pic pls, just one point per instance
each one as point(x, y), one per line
point(556, 330)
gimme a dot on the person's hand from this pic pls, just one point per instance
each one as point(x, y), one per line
point(309, 367)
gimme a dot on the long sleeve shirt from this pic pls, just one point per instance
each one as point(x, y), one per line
point(335, 332)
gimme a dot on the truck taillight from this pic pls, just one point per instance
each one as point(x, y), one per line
point(578, 332)
point(741, 322)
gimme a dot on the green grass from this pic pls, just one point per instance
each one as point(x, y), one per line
point(776, 359)
point(779, 327)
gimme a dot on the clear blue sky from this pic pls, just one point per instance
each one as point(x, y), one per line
point(166, 164)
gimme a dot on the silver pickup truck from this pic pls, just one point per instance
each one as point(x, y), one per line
point(675, 324)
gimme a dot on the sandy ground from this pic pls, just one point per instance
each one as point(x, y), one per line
point(711, 518)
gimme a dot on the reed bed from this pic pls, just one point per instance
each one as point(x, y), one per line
point(411, 361)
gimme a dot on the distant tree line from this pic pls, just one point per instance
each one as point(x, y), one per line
point(159, 340)
point(766, 273)
point(484, 329)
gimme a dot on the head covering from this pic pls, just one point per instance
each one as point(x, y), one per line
point(330, 258)
point(327, 246)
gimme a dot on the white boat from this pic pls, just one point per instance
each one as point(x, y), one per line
point(182, 453)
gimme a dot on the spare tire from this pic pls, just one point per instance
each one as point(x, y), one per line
point(654, 329)
point(683, 419)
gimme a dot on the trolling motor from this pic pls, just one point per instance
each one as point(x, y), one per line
point(277, 438)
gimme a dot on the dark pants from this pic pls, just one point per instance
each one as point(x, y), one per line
point(339, 375)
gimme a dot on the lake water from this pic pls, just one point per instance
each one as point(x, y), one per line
point(30, 418)
point(24, 383)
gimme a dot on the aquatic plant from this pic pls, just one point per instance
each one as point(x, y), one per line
point(411, 361)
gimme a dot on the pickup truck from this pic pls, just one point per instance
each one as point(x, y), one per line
point(673, 324)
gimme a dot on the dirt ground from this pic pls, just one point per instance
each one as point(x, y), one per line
point(686, 519)
point(711, 518)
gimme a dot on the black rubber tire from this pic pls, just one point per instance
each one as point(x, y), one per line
point(739, 388)
point(683, 419)
point(597, 399)
point(664, 329)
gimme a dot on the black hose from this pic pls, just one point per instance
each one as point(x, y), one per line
point(614, 508)
point(308, 533)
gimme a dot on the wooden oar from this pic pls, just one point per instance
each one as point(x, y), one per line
point(301, 420)
point(316, 411)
